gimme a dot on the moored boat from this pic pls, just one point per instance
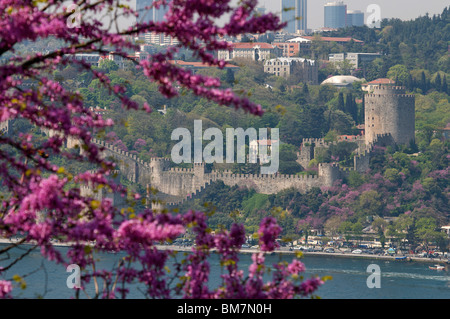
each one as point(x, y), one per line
point(437, 267)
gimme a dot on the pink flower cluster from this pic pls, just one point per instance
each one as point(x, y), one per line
point(5, 289)
point(268, 233)
point(46, 202)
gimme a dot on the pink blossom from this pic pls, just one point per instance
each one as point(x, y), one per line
point(268, 233)
point(309, 286)
point(5, 289)
point(49, 202)
point(143, 231)
point(296, 267)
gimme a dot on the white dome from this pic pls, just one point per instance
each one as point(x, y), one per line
point(341, 80)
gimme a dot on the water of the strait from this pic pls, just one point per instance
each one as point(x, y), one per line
point(398, 280)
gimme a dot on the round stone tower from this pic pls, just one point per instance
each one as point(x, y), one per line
point(388, 110)
point(157, 166)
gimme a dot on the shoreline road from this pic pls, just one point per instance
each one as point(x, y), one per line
point(283, 250)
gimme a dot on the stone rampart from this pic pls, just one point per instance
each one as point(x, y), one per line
point(184, 182)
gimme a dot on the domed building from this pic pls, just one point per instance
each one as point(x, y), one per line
point(341, 80)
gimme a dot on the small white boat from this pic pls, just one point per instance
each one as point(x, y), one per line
point(437, 267)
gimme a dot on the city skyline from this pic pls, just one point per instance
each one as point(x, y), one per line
point(401, 9)
point(315, 9)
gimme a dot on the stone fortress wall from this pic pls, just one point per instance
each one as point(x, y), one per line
point(389, 119)
point(178, 184)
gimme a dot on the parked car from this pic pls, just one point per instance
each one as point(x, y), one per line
point(357, 251)
point(329, 250)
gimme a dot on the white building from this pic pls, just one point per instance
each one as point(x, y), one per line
point(356, 59)
point(256, 51)
point(160, 39)
point(446, 229)
point(307, 69)
point(91, 58)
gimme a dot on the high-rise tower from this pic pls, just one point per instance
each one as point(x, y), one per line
point(355, 18)
point(294, 12)
point(335, 15)
point(389, 111)
point(153, 14)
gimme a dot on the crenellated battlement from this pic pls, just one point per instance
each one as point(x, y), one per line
point(390, 87)
point(313, 141)
point(263, 177)
point(317, 142)
point(159, 159)
point(180, 170)
point(376, 95)
point(134, 157)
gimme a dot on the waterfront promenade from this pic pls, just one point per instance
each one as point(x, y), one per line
point(337, 253)
point(282, 250)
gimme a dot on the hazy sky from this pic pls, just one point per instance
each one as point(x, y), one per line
point(402, 9)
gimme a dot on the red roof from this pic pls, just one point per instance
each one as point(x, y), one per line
point(382, 81)
point(198, 64)
point(251, 45)
point(332, 39)
point(349, 137)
